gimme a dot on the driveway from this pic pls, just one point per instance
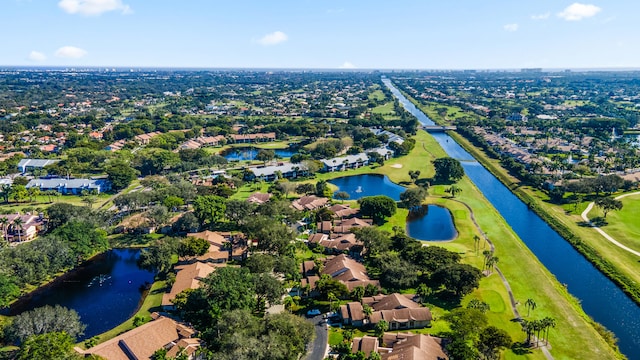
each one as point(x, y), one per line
point(320, 344)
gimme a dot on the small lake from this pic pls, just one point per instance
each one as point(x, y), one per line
point(359, 186)
point(432, 223)
point(249, 153)
point(105, 291)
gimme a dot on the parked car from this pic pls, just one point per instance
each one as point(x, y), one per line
point(313, 312)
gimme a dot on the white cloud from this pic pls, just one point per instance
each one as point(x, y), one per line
point(274, 38)
point(511, 27)
point(544, 16)
point(93, 7)
point(347, 65)
point(71, 52)
point(578, 11)
point(37, 56)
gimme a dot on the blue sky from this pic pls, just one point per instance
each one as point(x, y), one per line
point(373, 34)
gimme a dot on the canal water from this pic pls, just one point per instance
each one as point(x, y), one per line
point(599, 296)
point(105, 291)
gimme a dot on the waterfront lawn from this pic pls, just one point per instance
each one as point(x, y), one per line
point(625, 263)
point(573, 337)
point(152, 302)
point(623, 225)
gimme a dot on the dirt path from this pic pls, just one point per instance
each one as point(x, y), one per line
point(512, 298)
point(585, 217)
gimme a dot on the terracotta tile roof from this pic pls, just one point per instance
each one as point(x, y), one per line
point(394, 301)
point(212, 237)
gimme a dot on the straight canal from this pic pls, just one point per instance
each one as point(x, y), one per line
point(599, 296)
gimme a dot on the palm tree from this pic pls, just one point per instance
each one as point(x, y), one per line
point(548, 323)
point(4, 221)
point(454, 190)
point(476, 241)
point(33, 193)
point(530, 304)
point(18, 222)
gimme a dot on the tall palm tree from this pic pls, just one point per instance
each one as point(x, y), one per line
point(530, 304)
point(18, 222)
point(454, 190)
point(548, 323)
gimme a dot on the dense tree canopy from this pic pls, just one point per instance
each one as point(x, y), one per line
point(45, 320)
point(448, 170)
point(377, 207)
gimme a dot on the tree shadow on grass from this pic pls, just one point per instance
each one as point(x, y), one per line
point(443, 299)
point(521, 348)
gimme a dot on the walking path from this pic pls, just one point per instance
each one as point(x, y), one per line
point(512, 299)
point(602, 232)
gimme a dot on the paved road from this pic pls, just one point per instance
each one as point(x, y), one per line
point(320, 343)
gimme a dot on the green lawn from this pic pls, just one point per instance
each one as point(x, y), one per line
point(386, 108)
point(623, 225)
point(376, 95)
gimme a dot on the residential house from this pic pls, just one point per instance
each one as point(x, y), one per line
point(399, 311)
point(144, 139)
point(259, 198)
point(310, 202)
point(341, 211)
point(27, 165)
point(338, 243)
point(187, 277)
point(391, 136)
point(223, 246)
point(70, 186)
point(252, 138)
point(401, 347)
point(274, 172)
point(143, 341)
point(348, 271)
point(345, 162)
point(30, 226)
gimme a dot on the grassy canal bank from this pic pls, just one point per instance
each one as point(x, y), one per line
point(574, 336)
point(617, 264)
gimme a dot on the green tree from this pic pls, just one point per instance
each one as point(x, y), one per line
point(413, 198)
point(377, 207)
point(342, 196)
point(238, 211)
point(454, 190)
point(209, 208)
point(460, 279)
point(530, 304)
point(192, 246)
point(173, 202)
point(268, 289)
point(491, 340)
point(607, 204)
point(159, 256)
point(83, 238)
point(53, 346)
point(466, 324)
point(376, 241)
point(380, 328)
point(120, 174)
point(9, 290)
point(414, 175)
point(448, 169)
point(43, 320)
point(265, 155)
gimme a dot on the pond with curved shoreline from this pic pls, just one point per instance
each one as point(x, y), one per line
point(359, 186)
point(432, 223)
point(105, 291)
point(250, 152)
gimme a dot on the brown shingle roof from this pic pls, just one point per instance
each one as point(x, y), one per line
point(309, 202)
point(366, 344)
point(139, 343)
point(188, 277)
